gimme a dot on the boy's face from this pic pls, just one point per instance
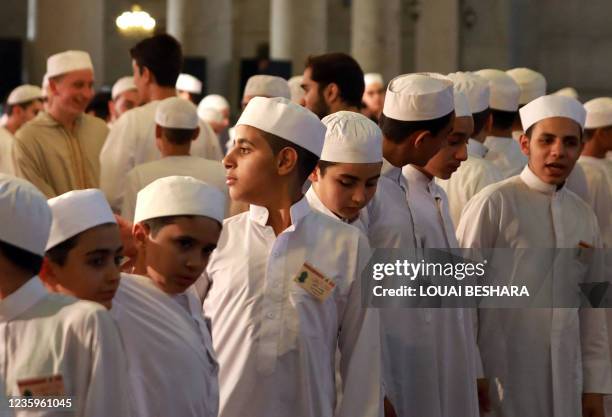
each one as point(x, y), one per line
point(91, 271)
point(250, 167)
point(553, 149)
point(177, 255)
point(346, 188)
point(427, 145)
point(450, 156)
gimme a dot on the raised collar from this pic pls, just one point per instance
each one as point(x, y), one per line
point(391, 171)
point(298, 211)
point(416, 177)
point(532, 181)
point(22, 300)
point(476, 148)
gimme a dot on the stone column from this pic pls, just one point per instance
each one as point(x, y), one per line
point(376, 36)
point(298, 28)
point(59, 25)
point(204, 28)
point(437, 36)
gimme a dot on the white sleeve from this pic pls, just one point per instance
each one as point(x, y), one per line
point(117, 158)
point(360, 352)
point(479, 224)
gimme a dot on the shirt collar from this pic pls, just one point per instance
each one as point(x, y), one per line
point(532, 181)
point(21, 300)
point(476, 148)
point(298, 211)
point(316, 203)
point(391, 171)
point(414, 176)
point(46, 119)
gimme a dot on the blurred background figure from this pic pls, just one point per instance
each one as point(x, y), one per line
point(373, 96)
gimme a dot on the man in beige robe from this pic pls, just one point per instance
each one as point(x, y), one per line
point(58, 151)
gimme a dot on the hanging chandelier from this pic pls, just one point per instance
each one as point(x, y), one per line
point(136, 20)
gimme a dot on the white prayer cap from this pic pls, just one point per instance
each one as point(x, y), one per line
point(351, 138)
point(45, 86)
point(295, 86)
point(598, 113)
point(505, 92)
point(176, 113)
point(24, 93)
point(290, 121)
point(215, 101)
point(26, 217)
point(567, 92)
point(207, 114)
point(122, 85)
point(531, 83)
point(68, 61)
point(475, 88)
point(462, 106)
point(75, 212)
point(372, 78)
point(189, 83)
point(552, 106)
point(420, 96)
point(267, 86)
point(179, 196)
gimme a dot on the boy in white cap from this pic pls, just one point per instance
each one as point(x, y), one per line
point(373, 95)
point(220, 104)
point(503, 104)
point(156, 62)
point(283, 288)
point(176, 127)
point(172, 365)
point(124, 96)
point(265, 86)
point(476, 172)
point(58, 151)
point(346, 176)
point(83, 252)
point(52, 344)
point(545, 361)
point(188, 87)
point(22, 105)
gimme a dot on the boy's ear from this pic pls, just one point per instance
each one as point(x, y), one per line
point(196, 133)
point(48, 274)
point(286, 161)
point(315, 175)
point(420, 138)
point(140, 233)
point(525, 144)
point(158, 131)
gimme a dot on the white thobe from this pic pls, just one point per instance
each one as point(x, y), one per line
point(275, 342)
point(538, 361)
point(6, 144)
point(43, 335)
point(131, 142)
point(172, 366)
point(209, 171)
point(506, 154)
point(598, 174)
point(473, 175)
point(361, 222)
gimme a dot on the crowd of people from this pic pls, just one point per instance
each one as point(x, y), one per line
point(156, 262)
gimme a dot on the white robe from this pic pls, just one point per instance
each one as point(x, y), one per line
point(209, 171)
point(6, 145)
point(131, 142)
point(538, 361)
point(43, 335)
point(361, 222)
point(275, 342)
point(473, 175)
point(172, 366)
point(506, 154)
point(599, 179)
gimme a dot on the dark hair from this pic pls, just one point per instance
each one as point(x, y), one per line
point(503, 120)
point(480, 119)
point(156, 224)
point(323, 165)
point(21, 258)
point(340, 69)
point(306, 162)
point(398, 130)
point(99, 104)
point(162, 55)
point(178, 136)
point(24, 105)
point(58, 254)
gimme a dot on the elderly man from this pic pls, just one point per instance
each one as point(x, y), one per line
point(58, 151)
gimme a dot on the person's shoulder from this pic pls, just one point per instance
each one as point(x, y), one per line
point(331, 227)
point(80, 315)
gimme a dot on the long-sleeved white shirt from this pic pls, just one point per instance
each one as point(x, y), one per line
point(506, 154)
point(538, 361)
point(172, 366)
point(44, 335)
point(275, 342)
point(131, 142)
point(209, 171)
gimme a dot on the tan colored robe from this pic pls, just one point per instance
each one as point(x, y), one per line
point(55, 160)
